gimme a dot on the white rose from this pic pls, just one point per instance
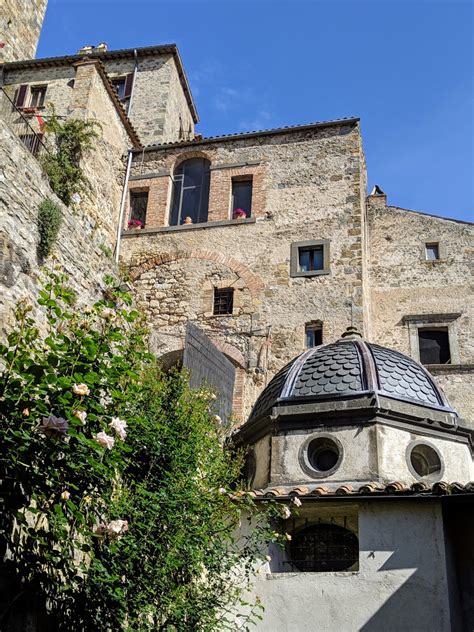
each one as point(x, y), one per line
point(80, 389)
point(107, 313)
point(296, 501)
point(81, 415)
point(65, 495)
point(288, 536)
point(105, 440)
point(119, 426)
point(222, 490)
point(286, 512)
point(117, 527)
point(216, 419)
point(268, 558)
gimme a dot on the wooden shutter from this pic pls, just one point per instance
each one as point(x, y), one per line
point(20, 96)
point(127, 91)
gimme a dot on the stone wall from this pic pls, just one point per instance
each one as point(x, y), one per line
point(403, 284)
point(20, 27)
point(81, 241)
point(309, 188)
point(159, 109)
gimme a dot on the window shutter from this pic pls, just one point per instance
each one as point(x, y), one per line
point(127, 91)
point(20, 95)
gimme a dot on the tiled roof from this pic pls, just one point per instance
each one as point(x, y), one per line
point(349, 368)
point(242, 135)
point(124, 53)
point(373, 490)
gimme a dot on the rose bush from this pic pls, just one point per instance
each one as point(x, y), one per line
point(119, 502)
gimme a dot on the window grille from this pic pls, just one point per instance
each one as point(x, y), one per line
point(223, 301)
point(324, 547)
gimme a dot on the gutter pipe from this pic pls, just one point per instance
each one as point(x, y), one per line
point(122, 206)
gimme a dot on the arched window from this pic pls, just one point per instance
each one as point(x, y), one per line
point(324, 547)
point(190, 192)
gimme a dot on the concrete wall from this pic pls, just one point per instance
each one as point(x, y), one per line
point(20, 27)
point(22, 188)
point(308, 188)
point(401, 583)
point(370, 453)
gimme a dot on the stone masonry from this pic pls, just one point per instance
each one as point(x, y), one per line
point(20, 27)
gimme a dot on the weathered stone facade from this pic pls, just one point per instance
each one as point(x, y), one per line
point(20, 27)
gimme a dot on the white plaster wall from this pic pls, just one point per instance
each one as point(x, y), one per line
point(392, 444)
point(401, 585)
point(261, 450)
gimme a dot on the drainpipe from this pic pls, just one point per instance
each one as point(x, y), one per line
point(135, 70)
point(122, 206)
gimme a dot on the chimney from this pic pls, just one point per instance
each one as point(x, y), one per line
point(377, 197)
point(101, 48)
point(85, 50)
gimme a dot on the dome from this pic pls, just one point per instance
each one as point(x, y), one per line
point(347, 369)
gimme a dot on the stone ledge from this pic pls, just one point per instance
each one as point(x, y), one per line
point(438, 369)
point(184, 227)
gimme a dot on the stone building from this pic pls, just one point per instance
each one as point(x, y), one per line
point(267, 243)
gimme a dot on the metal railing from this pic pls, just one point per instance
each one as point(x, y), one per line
point(19, 124)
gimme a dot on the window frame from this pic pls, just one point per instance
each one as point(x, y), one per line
point(240, 180)
point(39, 89)
point(433, 321)
point(179, 187)
point(215, 298)
point(309, 245)
point(433, 329)
point(441, 251)
point(312, 326)
point(132, 193)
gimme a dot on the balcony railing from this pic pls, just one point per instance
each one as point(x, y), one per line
point(19, 124)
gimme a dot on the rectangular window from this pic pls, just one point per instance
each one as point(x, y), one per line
point(138, 207)
point(241, 196)
point(38, 94)
point(123, 86)
point(309, 258)
point(432, 251)
point(313, 335)
point(434, 346)
point(223, 301)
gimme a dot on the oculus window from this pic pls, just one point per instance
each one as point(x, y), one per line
point(223, 301)
point(242, 195)
point(324, 548)
point(434, 346)
point(190, 202)
point(309, 258)
point(424, 461)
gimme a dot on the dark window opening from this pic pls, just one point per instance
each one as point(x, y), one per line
point(432, 252)
point(223, 301)
point(311, 258)
point(241, 197)
point(138, 207)
point(425, 460)
point(190, 192)
point(324, 548)
point(313, 335)
point(123, 86)
point(20, 95)
point(38, 95)
point(434, 346)
point(323, 454)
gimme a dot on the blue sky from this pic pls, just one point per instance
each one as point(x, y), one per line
point(406, 67)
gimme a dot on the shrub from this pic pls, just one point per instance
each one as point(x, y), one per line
point(49, 223)
point(115, 524)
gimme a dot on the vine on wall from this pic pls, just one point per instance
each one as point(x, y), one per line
point(49, 222)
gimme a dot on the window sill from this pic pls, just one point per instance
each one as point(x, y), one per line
point(290, 574)
point(185, 227)
point(431, 261)
point(310, 273)
point(449, 368)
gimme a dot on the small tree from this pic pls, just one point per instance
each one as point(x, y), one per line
point(120, 505)
point(71, 140)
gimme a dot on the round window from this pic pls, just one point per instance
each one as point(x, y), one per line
point(425, 460)
point(324, 454)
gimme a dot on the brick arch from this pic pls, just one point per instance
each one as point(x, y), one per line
point(177, 160)
point(251, 280)
point(234, 355)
